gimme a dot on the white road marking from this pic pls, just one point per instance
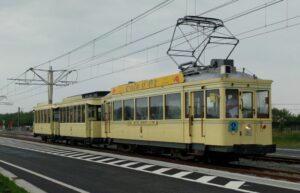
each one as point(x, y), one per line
point(28, 187)
point(205, 179)
point(234, 184)
point(129, 164)
point(103, 160)
point(115, 162)
point(143, 167)
point(45, 177)
point(91, 158)
point(161, 170)
point(82, 157)
point(180, 174)
point(66, 154)
point(77, 154)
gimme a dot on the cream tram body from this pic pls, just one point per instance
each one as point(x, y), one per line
point(194, 115)
point(206, 112)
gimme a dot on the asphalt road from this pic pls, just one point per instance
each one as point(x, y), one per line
point(70, 171)
point(93, 177)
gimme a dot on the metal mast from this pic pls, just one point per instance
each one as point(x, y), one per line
point(49, 77)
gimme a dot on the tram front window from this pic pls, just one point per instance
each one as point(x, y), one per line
point(232, 103)
point(212, 104)
point(247, 107)
point(262, 102)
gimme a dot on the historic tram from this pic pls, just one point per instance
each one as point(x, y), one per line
point(202, 110)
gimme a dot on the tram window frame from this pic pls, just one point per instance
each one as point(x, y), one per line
point(128, 109)
point(216, 113)
point(187, 105)
point(156, 107)
point(201, 105)
point(117, 112)
point(247, 112)
point(170, 109)
point(232, 103)
point(266, 102)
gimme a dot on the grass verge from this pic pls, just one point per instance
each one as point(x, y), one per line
point(287, 139)
point(8, 186)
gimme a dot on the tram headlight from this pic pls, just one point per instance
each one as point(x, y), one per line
point(248, 130)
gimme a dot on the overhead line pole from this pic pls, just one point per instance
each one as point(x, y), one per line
point(49, 80)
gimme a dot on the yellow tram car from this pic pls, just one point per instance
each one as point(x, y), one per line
point(217, 111)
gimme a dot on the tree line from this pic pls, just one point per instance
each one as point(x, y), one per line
point(22, 119)
point(281, 118)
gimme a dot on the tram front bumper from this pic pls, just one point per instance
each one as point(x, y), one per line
point(253, 149)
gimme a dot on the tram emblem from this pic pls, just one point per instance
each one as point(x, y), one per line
point(233, 126)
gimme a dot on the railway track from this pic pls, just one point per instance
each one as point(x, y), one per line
point(236, 167)
point(276, 158)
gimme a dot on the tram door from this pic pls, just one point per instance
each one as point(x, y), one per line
point(197, 112)
point(249, 129)
point(107, 115)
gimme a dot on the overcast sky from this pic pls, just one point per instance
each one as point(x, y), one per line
point(34, 31)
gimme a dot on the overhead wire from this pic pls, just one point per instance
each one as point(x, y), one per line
point(130, 22)
point(147, 36)
point(230, 19)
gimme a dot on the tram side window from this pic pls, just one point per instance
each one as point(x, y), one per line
point(61, 115)
point(75, 120)
point(49, 116)
point(129, 109)
point(173, 106)
point(68, 115)
point(117, 113)
point(83, 113)
point(43, 116)
point(141, 108)
point(262, 102)
point(99, 113)
point(212, 104)
point(247, 106)
point(38, 117)
point(64, 115)
point(232, 103)
point(91, 111)
point(198, 104)
point(187, 105)
point(56, 115)
point(156, 107)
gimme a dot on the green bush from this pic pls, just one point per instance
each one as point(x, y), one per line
point(8, 186)
point(287, 139)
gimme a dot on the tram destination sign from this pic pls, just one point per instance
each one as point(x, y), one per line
point(146, 84)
